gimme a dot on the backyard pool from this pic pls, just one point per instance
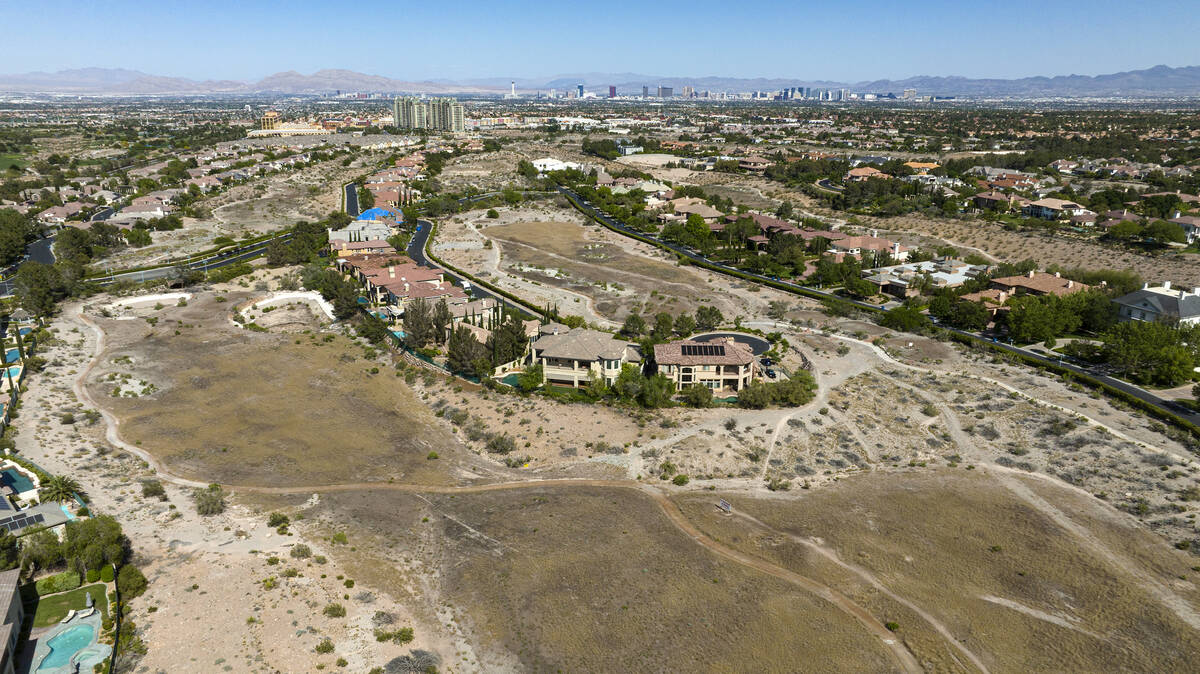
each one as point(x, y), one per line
point(64, 645)
point(12, 356)
point(11, 477)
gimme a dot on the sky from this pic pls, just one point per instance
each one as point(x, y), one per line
point(834, 40)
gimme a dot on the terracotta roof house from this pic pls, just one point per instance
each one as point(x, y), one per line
point(571, 357)
point(723, 367)
point(856, 245)
point(1052, 209)
point(1038, 283)
point(863, 173)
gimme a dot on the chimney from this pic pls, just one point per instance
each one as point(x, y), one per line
point(392, 272)
point(1057, 275)
point(1166, 285)
point(1029, 274)
point(1146, 286)
point(1070, 284)
point(1196, 290)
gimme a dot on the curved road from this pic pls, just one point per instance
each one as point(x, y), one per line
point(622, 228)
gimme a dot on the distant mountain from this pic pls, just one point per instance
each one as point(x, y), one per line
point(1156, 81)
point(104, 81)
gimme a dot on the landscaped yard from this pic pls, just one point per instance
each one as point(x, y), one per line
point(54, 608)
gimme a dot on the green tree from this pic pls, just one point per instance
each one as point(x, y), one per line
point(15, 233)
point(60, 488)
point(797, 390)
point(697, 396)
point(756, 395)
point(39, 287)
point(508, 341)
point(634, 326)
point(419, 328)
point(1149, 353)
point(664, 325)
point(657, 391)
point(464, 352)
point(708, 318)
point(905, 319)
point(138, 238)
point(685, 325)
point(530, 379)
point(629, 382)
point(441, 318)
point(10, 551)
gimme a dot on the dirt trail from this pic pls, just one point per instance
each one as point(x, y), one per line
point(874, 582)
point(903, 657)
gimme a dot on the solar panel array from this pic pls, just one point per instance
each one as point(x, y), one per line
point(702, 349)
point(21, 521)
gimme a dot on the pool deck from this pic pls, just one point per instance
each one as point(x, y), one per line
point(38, 645)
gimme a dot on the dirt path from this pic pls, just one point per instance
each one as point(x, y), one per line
point(903, 657)
point(874, 582)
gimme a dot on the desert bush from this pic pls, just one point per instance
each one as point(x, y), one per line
point(153, 489)
point(209, 501)
point(275, 520)
point(300, 551)
point(326, 646)
point(501, 444)
point(335, 610)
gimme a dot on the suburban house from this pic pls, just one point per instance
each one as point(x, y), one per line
point(864, 173)
point(1038, 283)
point(343, 248)
point(1052, 209)
point(1190, 225)
point(372, 225)
point(724, 367)
point(1162, 303)
point(681, 208)
point(754, 164)
point(996, 200)
point(569, 357)
point(900, 280)
point(393, 279)
point(856, 245)
point(14, 615)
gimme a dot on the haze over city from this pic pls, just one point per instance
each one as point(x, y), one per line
point(877, 39)
point(399, 338)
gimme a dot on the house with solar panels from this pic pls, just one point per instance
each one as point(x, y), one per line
point(725, 367)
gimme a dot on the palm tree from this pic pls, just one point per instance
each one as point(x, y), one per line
point(58, 488)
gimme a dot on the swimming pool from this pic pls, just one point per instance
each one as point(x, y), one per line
point(12, 356)
point(65, 645)
point(14, 478)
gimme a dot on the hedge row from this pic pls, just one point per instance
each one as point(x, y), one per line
point(1063, 372)
point(59, 582)
point(503, 293)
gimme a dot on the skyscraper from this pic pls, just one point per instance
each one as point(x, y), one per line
point(665, 92)
point(580, 90)
point(612, 91)
point(645, 91)
point(440, 114)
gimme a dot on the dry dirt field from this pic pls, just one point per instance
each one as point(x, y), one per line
point(1003, 520)
point(226, 404)
point(590, 270)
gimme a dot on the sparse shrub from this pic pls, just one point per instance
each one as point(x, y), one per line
point(326, 646)
point(153, 489)
point(209, 501)
point(275, 520)
point(300, 551)
point(335, 610)
point(501, 444)
point(680, 480)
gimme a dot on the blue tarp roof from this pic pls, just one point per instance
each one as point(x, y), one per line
point(377, 213)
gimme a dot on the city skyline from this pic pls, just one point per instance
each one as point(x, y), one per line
point(795, 40)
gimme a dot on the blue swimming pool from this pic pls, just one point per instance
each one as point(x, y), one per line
point(11, 477)
point(12, 356)
point(14, 372)
point(65, 645)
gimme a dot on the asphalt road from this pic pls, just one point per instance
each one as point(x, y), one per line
point(351, 200)
point(102, 214)
point(416, 251)
point(1135, 391)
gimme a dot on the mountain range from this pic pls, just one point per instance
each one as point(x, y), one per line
point(1151, 82)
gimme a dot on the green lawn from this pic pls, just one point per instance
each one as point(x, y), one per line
point(7, 160)
point(53, 608)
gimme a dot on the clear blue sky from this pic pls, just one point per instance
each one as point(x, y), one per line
point(844, 40)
